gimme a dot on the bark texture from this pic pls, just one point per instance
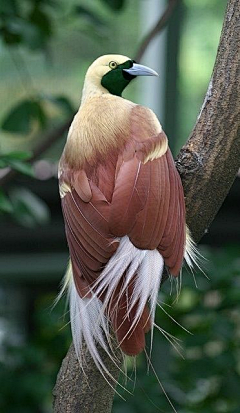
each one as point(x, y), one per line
point(77, 391)
point(209, 161)
point(208, 165)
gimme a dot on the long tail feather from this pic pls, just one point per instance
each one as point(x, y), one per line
point(90, 325)
point(90, 316)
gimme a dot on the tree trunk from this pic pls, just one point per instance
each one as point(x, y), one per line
point(209, 161)
point(77, 391)
point(208, 165)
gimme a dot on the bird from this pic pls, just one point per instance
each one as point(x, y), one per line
point(124, 212)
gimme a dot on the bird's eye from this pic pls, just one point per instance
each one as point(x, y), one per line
point(112, 65)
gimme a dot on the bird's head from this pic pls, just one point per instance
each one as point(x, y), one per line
point(112, 73)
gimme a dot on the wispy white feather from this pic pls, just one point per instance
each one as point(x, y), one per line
point(146, 287)
point(89, 324)
point(147, 284)
point(89, 316)
point(89, 321)
point(192, 255)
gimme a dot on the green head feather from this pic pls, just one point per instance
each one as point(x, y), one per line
point(116, 79)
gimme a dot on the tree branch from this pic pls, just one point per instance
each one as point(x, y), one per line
point(209, 161)
point(208, 164)
point(86, 391)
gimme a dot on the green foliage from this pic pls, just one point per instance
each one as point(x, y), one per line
point(29, 112)
point(29, 24)
point(5, 204)
point(23, 206)
point(115, 4)
point(23, 168)
point(22, 115)
point(27, 373)
point(32, 24)
point(14, 156)
point(15, 160)
point(90, 15)
point(28, 209)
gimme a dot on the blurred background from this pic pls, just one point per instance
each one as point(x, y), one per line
point(45, 48)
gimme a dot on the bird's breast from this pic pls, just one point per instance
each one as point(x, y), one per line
point(100, 128)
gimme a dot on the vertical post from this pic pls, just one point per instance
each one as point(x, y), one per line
point(172, 70)
point(152, 92)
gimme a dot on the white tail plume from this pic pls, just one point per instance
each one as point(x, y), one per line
point(89, 318)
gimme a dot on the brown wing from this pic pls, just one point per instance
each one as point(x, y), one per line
point(87, 230)
point(148, 201)
point(148, 206)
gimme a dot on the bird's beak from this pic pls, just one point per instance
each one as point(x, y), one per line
point(140, 70)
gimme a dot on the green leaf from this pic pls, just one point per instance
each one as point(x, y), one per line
point(115, 4)
point(3, 163)
point(31, 35)
point(41, 20)
point(15, 160)
point(19, 119)
point(89, 14)
point(23, 168)
point(36, 30)
point(39, 114)
point(19, 155)
point(29, 209)
point(10, 38)
point(8, 7)
point(5, 204)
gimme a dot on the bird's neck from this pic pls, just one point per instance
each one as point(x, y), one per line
point(92, 89)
